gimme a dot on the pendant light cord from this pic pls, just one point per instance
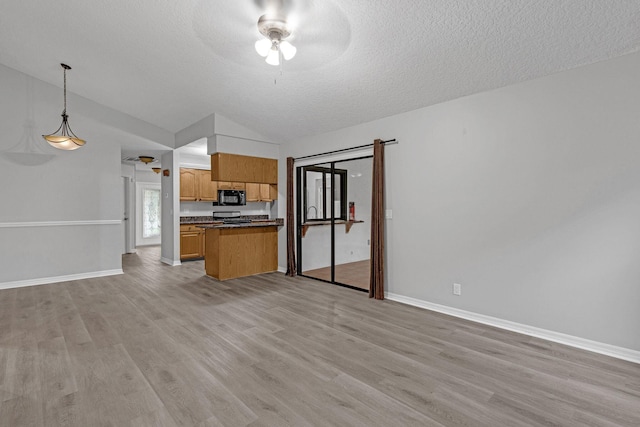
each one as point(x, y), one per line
point(64, 111)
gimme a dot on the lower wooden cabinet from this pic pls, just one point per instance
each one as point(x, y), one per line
point(243, 251)
point(192, 242)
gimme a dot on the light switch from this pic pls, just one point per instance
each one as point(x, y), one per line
point(389, 214)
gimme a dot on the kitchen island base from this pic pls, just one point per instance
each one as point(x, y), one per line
point(242, 251)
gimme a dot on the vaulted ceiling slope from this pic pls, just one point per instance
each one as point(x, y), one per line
point(171, 63)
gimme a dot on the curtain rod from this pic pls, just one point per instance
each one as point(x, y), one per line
point(389, 142)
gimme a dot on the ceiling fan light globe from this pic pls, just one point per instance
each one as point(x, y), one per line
point(288, 50)
point(263, 47)
point(273, 58)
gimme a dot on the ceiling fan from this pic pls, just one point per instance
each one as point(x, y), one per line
point(275, 28)
point(315, 32)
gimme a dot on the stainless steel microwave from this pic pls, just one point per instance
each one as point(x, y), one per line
point(231, 198)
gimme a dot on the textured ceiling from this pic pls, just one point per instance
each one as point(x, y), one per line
point(172, 62)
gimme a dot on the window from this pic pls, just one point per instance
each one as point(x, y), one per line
point(318, 193)
point(150, 213)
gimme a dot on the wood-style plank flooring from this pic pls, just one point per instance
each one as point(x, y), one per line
point(354, 274)
point(168, 346)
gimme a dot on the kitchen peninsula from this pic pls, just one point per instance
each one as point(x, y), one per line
point(233, 243)
point(242, 249)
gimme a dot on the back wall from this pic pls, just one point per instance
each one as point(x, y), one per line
point(528, 196)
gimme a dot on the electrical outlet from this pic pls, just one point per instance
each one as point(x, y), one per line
point(457, 289)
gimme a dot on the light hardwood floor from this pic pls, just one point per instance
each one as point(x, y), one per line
point(167, 346)
point(354, 274)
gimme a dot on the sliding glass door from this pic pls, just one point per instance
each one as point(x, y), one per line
point(333, 213)
point(353, 239)
point(315, 215)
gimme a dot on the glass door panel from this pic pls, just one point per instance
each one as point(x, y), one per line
point(352, 240)
point(316, 225)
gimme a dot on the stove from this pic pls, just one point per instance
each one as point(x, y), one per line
point(235, 221)
point(230, 217)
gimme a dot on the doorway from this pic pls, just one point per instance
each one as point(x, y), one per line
point(333, 217)
point(127, 216)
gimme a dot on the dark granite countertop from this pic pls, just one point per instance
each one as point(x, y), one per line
point(184, 220)
point(278, 222)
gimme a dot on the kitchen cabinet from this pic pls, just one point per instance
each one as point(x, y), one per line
point(234, 167)
point(261, 192)
point(207, 189)
point(188, 186)
point(225, 185)
point(270, 171)
point(196, 185)
point(238, 252)
point(192, 242)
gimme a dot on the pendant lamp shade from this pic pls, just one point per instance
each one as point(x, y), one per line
point(64, 138)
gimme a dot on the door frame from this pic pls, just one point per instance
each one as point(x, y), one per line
point(300, 195)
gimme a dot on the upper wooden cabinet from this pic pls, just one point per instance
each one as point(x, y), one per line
point(234, 167)
point(261, 192)
point(208, 190)
point(224, 185)
point(270, 171)
point(196, 185)
point(188, 185)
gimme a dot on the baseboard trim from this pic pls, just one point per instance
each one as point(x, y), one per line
point(58, 279)
point(282, 270)
point(570, 340)
point(170, 262)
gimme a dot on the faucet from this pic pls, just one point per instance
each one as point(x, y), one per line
point(309, 208)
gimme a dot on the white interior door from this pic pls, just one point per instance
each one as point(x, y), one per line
point(127, 216)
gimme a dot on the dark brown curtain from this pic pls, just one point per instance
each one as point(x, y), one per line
point(376, 286)
point(291, 253)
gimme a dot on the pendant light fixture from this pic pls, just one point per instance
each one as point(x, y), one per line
point(276, 31)
point(146, 159)
point(64, 138)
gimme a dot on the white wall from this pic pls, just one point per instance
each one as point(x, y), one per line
point(529, 196)
point(148, 176)
point(62, 217)
point(170, 187)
